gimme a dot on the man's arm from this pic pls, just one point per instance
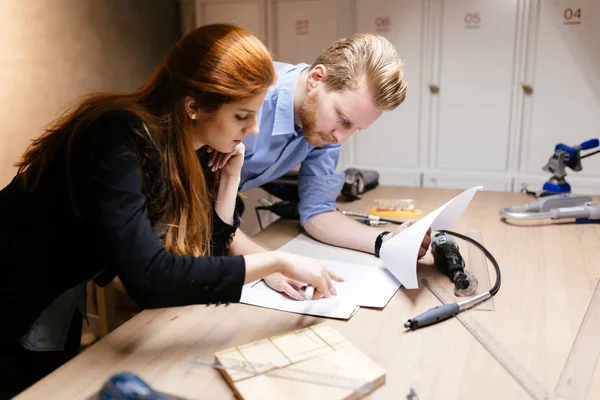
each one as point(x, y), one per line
point(318, 187)
point(339, 230)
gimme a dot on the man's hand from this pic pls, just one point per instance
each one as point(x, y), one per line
point(426, 240)
point(286, 285)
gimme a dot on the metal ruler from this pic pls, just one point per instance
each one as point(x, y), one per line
point(510, 364)
point(577, 374)
point(579, 368)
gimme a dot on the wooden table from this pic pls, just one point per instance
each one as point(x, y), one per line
point(549, 272)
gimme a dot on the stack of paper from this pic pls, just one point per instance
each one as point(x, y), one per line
point(368, 281)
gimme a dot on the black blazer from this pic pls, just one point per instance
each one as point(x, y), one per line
point(45, 248)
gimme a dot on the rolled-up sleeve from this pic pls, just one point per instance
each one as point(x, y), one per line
point(318, 183)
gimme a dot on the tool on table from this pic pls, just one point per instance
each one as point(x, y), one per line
point(359, 181)
point(564, 156)
point(559, 206)
point(310, 363)
point(446, 311)
point(448, 259)
point(555, 200)
point(579, 368)
point(373, 220)
point(128, 386)
point(395, 208)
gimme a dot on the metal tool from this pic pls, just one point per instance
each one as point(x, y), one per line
point(447, 258)
point(579, 368)
point(564, 156)
point(559, 206)
point(447, 311)
point(373, 219)
point(296, 374)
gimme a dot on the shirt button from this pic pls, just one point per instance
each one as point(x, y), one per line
point(205, 287)
point(193, 281)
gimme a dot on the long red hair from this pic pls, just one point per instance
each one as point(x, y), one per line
point(215, 64)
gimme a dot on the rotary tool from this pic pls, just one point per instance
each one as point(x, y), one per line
point(447, 257)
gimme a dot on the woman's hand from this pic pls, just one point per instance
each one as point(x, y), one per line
point(283, 284)
point(229, 163)
point(311, 271)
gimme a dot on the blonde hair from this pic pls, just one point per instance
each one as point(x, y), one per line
point(365, 57)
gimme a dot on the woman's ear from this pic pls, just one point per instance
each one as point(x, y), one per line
point(192, 108)
point(316, 75)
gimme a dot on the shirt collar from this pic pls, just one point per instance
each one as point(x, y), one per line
point(284, 110)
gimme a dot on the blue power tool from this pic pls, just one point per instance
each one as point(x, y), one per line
point(564, 156)
point(128, 386)
point(555, 200)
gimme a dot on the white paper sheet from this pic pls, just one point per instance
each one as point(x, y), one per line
point(262, 296)
point(399, 254)
point(364, 285)
point(369, 281)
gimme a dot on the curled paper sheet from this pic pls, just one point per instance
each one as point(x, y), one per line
point(399, 254)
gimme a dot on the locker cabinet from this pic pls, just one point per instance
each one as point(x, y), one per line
point(564, 77)
point(476, 48)
point(247, 14)
point(394, 141)
point(304, 28)
point(493, 85)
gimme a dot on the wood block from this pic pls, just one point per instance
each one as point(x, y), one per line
point(316, 362)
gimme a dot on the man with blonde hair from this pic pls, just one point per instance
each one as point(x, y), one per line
point(305, 119)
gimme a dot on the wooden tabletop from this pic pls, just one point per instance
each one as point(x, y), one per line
point(549, 271)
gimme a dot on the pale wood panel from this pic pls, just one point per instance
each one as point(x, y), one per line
point(548, 275)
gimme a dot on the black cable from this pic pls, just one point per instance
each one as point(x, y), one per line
point(590, 154)
point(529, 192)
point(258, 216)
point(485, 251)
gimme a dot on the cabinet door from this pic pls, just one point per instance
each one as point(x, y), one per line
point(499, 182)
point(303, 29)
point(393, 140)
point(564, 106)
point(247, 14)
point(475, 51)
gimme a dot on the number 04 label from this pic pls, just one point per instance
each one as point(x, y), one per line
point(572, 16)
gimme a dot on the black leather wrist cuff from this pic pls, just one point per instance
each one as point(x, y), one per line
point(379, 242)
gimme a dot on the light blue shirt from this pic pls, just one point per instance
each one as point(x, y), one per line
point(278, 148)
